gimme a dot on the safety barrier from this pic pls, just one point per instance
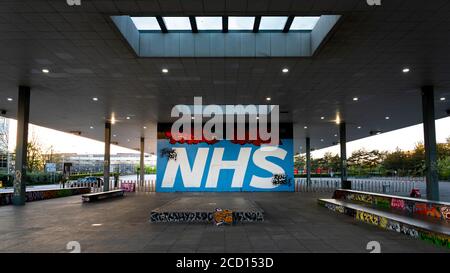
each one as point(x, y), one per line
point(381, 185)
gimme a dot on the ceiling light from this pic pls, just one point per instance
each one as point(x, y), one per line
point(128, 140)
point(113, 119)
point(355, 99)
point(45, 70)
point(97, 225)
point(335, 135)
point(285, 70)
point(95, 99)
point(359, 127)
point(322, 117)
point(165, 70)
point(128, 118)
point(387, 118)
point(306, 127)
point(442, 99)
point(91, 127)
point(114, 135)
point(145, 127)
point(9, 99)
point(257, 117)
point(321, 139)
point(406, 70)
point(268, 99)
point(338, 119)
point(192, 117)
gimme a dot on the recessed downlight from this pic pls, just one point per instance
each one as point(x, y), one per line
point(387, 117)
point(355, 98)
point(9, 99)
point(145, 127)
point(405, 70)
point(165, 70)
point(95, 99)
point(268, 98)
point(45, 70)
point(91, 127)
point(322, 117)
point(285, 70)
point(305, 127)
point(359, 127)
point(128, 117)
point(442, 99)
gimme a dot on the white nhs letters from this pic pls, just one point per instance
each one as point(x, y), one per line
point(192, 177)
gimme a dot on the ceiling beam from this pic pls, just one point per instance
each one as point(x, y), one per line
point(256, 24)
point(161, 23)
point(224, 24)
point(288, 24)
point(193, 24)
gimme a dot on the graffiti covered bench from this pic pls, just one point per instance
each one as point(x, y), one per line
point(419, 218)
point(37, 195)
point(91, 197)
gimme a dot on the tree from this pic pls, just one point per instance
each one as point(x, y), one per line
point(35, 156)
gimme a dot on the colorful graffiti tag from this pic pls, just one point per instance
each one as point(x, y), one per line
point(6, 198)
point(223, 216)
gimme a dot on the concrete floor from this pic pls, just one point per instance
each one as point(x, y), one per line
point(293, 223)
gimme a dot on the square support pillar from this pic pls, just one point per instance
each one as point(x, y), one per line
point(429, 133)
point(107, 156)
point(343, 145)
point(142, 164)
point(308, 161)
point(23, 112)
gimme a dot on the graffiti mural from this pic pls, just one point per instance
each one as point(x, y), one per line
point(223, 216)
point(6, 198)
point(236, 216)
point(437, 239)
point(397, 203)
point(224, 165)
point(367, 217)
point(382, 202)
point(445, 211)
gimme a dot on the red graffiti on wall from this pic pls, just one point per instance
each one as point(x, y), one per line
point(424, 209)
point(397, 203)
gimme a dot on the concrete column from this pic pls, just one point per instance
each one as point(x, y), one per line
point(107, 157)
point(308, 161)
point(142, 165)
point(343, 145)
point(429, 133)
point(23, 111)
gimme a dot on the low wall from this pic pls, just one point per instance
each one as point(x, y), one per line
point(391, 225)
point(409, 206)
point(36, 195)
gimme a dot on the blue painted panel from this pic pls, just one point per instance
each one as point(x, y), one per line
point(171, 179)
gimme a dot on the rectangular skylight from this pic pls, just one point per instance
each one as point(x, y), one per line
point(146, 23)
point(209, 23)
point(240, 23)
point(304, 22)
point(272, 22)
point(177, 23)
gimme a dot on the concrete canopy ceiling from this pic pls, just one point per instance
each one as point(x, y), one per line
point(87, 57)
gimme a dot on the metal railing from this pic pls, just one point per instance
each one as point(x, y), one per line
point(380, 185)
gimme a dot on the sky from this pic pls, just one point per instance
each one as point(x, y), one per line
point(67, 143)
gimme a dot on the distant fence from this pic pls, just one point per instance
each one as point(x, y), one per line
point(379, 184)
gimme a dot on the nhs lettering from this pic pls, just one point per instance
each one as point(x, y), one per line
point(237, 149)
point(224, 166)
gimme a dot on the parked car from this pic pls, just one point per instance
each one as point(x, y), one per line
point(97, 181)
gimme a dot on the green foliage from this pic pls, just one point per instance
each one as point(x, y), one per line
point(148, 169)
point(377, 163)
point(32, 179)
